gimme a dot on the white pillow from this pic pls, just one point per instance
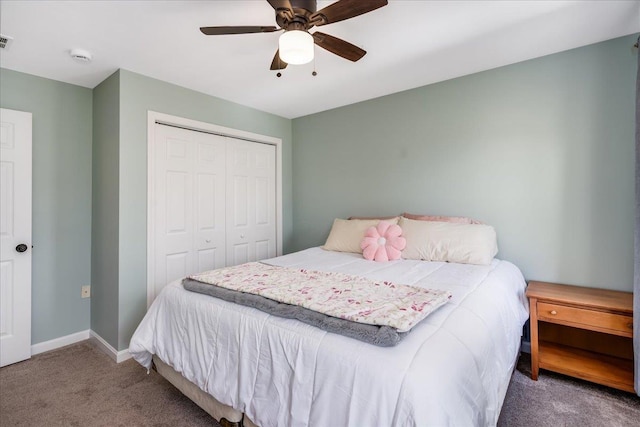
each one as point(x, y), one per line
point(346, 234)
point(449, 242)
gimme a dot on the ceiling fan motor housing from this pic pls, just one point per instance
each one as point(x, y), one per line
point(302, 10)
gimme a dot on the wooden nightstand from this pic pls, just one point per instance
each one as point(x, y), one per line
point(583, 332)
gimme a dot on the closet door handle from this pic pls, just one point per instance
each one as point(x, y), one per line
point(21, 247)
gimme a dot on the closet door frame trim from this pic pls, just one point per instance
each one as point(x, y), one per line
point(153, 118)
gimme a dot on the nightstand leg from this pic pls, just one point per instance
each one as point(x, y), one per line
point(533, 324)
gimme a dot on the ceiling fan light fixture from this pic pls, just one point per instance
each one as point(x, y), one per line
point(296, 47)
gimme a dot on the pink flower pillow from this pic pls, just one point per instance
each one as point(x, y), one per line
point(383, 242)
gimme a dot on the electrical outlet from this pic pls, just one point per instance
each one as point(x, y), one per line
point(86, 291)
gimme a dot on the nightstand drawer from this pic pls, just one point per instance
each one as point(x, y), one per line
point(587, 319)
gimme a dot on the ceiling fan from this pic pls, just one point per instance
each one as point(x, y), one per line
point(296, 18)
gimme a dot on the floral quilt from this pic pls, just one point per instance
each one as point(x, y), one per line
point(339, 295)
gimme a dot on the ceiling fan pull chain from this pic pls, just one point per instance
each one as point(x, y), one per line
point(279, 74)
point(314, 62)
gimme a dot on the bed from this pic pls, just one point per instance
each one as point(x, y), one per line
point(453, 368)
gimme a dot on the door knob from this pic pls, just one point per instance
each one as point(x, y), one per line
point(21, 247)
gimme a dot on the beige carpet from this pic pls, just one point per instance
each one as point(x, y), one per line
point(559, 401)
point(80, 386)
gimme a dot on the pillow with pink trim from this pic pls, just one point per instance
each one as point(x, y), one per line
point(442, 218)
point(383, 242)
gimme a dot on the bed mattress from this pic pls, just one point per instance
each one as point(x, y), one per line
point(453, 368)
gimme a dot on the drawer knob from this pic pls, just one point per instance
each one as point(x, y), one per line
point(554, 312)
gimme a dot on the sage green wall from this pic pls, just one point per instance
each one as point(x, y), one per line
point(138, 94)
point(61, 260)
point(106, 208)
point(542, 150)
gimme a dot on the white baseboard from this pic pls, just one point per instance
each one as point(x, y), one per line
point(117, 356)
point(53, 344)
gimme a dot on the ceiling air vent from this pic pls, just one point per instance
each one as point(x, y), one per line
point(5, 41)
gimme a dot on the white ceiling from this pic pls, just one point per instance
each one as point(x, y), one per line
point(408, 43)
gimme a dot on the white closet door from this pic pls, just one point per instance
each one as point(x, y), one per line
point(251, 201)
point(189, 203)
point(15, 236)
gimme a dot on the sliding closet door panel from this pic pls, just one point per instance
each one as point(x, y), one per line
point(264, 200)
point(240, 207)
point(173, 192)
point(251, 210)
point(189, 201)
point(210, 238)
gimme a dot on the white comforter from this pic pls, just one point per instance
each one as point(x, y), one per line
point(452, 369)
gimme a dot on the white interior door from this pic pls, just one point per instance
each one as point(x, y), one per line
point(15, 236)
point(251, 201)
point(189, 203)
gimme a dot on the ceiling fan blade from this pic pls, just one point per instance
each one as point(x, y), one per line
point(338, 46)
point(277, 63)
point(216, 31)
point(344, 9)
